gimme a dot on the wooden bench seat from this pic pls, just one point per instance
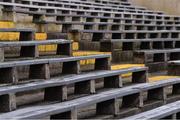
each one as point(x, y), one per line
point(52, 10)
point(110, 25)
point(84, 84)
point(30, 48)
point(25, 33)
point(101, 4)
point(51, 7)
point(169, 111)
point(16, 30)
point(83, 5)
point(103, 35)
point(174, 68)
point(107, 103)
point(139, 44)
point(156, 59)
point(72, 4)
point(40, 68)
point(157, 94)
point(119, 17)
point(123, 51)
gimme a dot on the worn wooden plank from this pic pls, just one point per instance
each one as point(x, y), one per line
point(158, 113)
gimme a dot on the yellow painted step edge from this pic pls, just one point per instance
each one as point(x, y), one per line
point(159, 78)
point(126, 66)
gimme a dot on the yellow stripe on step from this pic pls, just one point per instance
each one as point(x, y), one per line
point(51, 48)
point(9, 36)
point(126, 66)
point(86, 53)
point(4, 24)
point(14, 36)
point(40, 36)
point(159, 78)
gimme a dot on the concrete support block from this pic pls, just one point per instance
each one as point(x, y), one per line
point(145, 45)
point(178, 116)
point(156, 67)
point(9, 16)
point(176, 89)
point(102, 64)
point(140, 77)
point(64, 49)
point(131, 101)
point(72, 115)
point(85, 87)
point(174, 56)
point(8, 75)
point(170, 117)
point(160, 57)
point(113, 82)
point(173, 70)
point(41, 28)
point(157, 94)
point(87, 36)
point(174, 117)
point(39, 71)
point(7, 103)
point(158, 45)
point(39, 18)
point(74, 35)
point(89, 46)
point(169, 44)
point(141, 99)
point(108, 107)
point(120, 56)
point(26, 36)
point(29, 51)
point(71, 67)
point(2, 55)
point(139, 58)
point(107, 36)
point(57, 35)
point(106, 46)
point(58, 93)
